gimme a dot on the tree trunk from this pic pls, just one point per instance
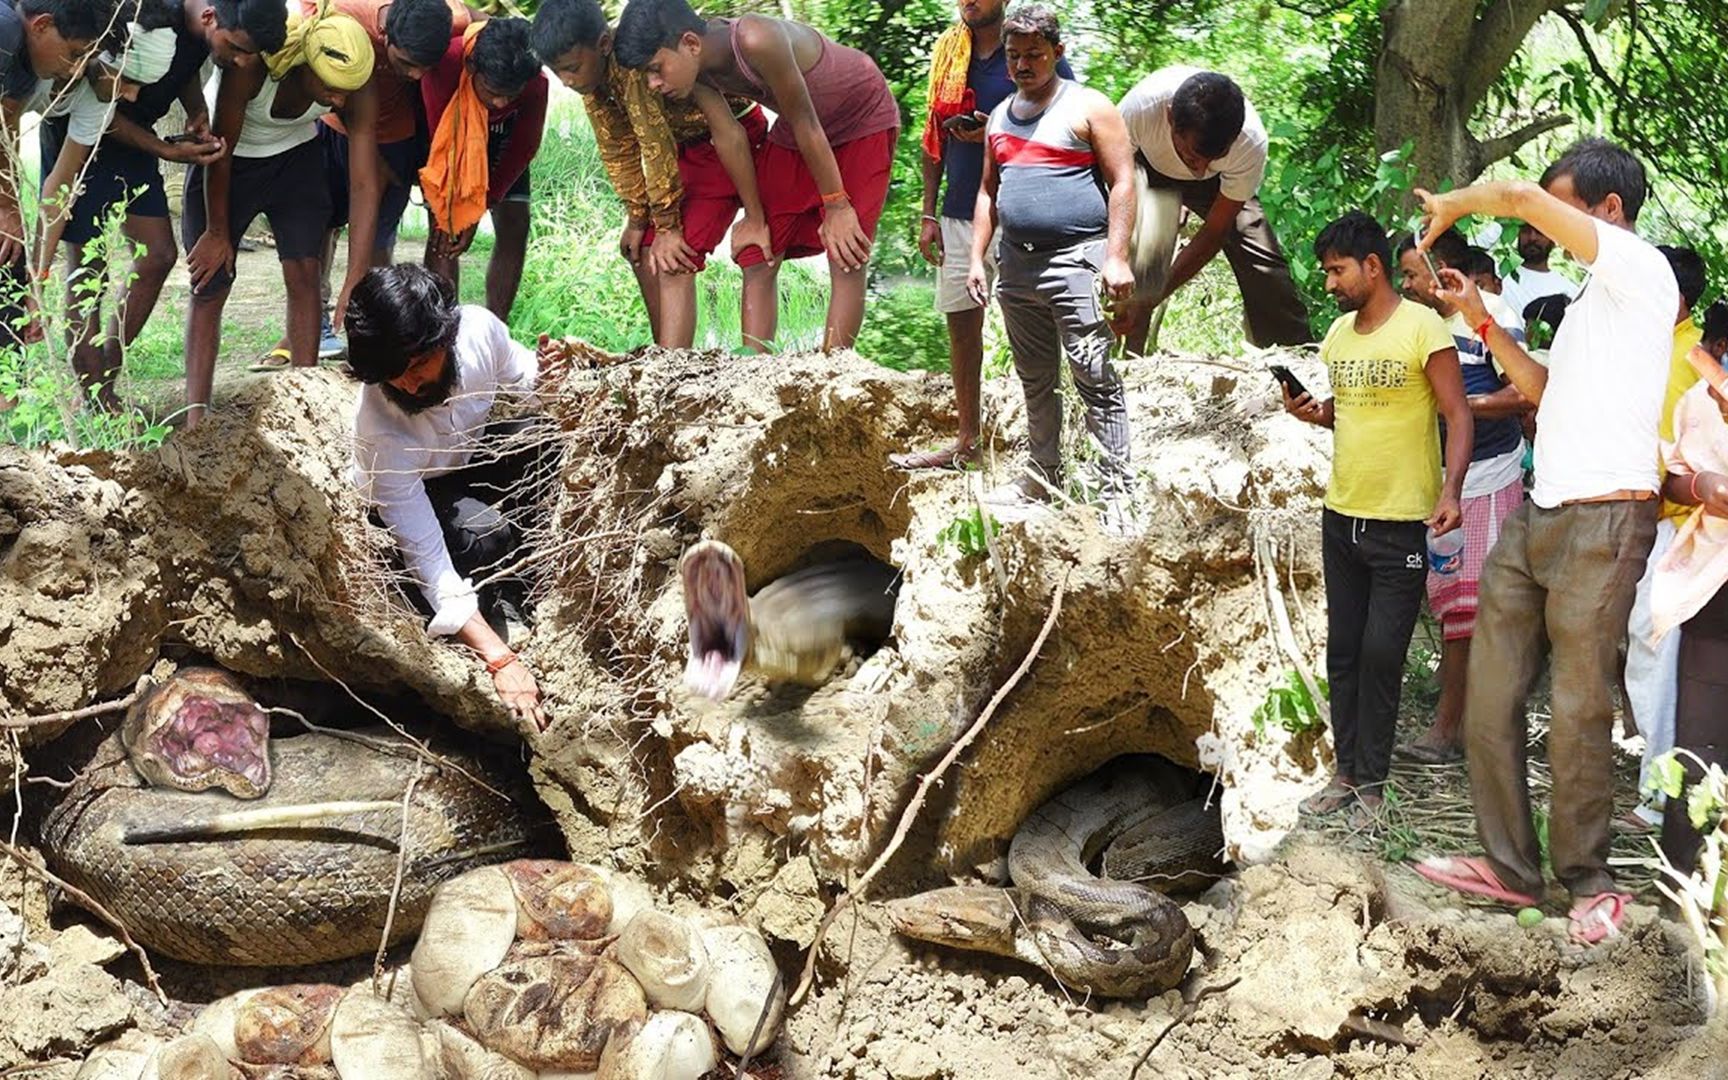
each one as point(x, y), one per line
point(1438, 63)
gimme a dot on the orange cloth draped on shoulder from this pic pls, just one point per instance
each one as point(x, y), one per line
point(455, 176)
point(949, 94)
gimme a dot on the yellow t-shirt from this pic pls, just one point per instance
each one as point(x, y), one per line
point(1681, 378)
point(1386, 443)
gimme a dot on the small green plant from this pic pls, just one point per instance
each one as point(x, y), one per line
point(1290, 706)
point(969, 533)
point(1399, 839)
point(1702, 895)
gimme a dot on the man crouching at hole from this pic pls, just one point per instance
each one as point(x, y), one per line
point(449, 485)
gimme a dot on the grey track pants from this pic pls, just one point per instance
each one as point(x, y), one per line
point(1050, 307)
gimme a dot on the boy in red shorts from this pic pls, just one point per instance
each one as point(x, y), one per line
point(824, 169)
point(679, 183)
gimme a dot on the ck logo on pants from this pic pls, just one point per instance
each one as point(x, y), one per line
point(1413, 561)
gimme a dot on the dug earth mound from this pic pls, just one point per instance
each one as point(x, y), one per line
point(243, 544)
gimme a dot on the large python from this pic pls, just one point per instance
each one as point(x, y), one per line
point(299, 873)
point(1113, 937)
point(795, 629)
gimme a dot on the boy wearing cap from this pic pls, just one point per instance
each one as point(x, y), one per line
point(274, 165)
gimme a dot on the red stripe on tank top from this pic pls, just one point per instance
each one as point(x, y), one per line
point(1013, 150)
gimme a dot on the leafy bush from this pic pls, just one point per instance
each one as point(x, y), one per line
point(970, 533)
point(1290, 706)
point(904, 331)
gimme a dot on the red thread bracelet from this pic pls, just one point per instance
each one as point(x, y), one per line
point(836, 197)
point(1482, 331)
point(497, 664)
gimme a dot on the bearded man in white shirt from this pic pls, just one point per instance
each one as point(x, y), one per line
point(441, 478)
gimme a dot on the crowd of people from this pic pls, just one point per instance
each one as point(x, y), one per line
point(323, 114)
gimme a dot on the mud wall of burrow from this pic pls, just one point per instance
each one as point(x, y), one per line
point(244, 541)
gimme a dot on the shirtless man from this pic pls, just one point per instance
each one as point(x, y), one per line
point(824, 171)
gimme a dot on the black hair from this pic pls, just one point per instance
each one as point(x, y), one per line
point(1477, 261)
point(1688, 267)
point(1449, 249)
point(76, 20)
point(1033, 19)
point(420, 28)
point(150, 14)
point(1210, 107)
point(395, 314)
point(647, 26)
point(264, 21)
point(1548, 310)
point(1598, 169)
point(503, 57)
point(1354, 236)
point(562, 25)
point(1716, 321)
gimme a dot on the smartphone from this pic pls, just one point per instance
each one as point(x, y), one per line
point(1292, 385)
point(182, 137)
point(963, 122)
point(1432, 269)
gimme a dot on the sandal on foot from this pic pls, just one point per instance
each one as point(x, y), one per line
point(1428, 754)
point(1472, 876)
point(950, 458)
point(278, 359)
point(1330, 799)
point(1597, 918)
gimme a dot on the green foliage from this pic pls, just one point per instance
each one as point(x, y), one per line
point(904, 331)
point(1399, 838)
point(969, 534)
point(1303, 196)
point(1290, 706)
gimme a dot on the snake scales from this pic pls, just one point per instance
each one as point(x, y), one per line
point(300, 874)
point(1115, 936)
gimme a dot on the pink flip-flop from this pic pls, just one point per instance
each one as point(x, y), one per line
point(1472, 876)
point(1597, 918)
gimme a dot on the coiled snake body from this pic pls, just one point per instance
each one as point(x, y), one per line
point(1115, 937)
point(301, 874)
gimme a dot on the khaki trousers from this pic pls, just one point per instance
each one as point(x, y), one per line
point(1565, 578)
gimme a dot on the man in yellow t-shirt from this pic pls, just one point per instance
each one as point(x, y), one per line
point(1393, 365)
point(1652, 670)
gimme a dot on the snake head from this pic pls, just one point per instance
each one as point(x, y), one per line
point(197, 731)
point(974, 917)
point(719, 614)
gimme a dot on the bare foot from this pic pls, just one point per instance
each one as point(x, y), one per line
point(955, 457)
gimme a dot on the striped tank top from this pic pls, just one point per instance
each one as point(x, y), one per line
point(1049, 193)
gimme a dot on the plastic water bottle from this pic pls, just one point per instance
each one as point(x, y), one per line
point(1445, 552)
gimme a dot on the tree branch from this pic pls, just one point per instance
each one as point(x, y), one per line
point(1495, 40)
point(1488, 151)
point(1596, 66)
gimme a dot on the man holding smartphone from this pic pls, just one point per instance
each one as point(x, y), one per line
point(968, 79)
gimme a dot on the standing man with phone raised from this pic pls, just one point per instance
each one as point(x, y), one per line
point(968, 79)
point(1393, 365)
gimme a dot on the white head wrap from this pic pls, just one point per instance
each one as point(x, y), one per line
point(147, 56)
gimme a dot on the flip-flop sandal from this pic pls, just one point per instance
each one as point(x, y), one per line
point(1472, 876)
point(1329, 800)
point(918, 461)
point(1597, 918)
point(274, 360)
point(1429, 755)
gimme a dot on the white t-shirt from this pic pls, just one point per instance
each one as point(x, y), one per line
point(1607, 376)
point(89, 114)
point(1527, 285)
point(394, 451)
point(1146, 111)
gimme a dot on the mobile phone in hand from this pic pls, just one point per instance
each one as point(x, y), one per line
point(182, 137)
point(963, 122)
point(1292, 385)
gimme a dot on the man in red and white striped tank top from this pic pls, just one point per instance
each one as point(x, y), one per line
point(1059, 180)
point(823, 173)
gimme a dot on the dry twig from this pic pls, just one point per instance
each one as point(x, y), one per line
point(88, 903)
point(396, 886)
point(99, 709)
point(756, 1032)
point(904, 827)
point(1190, 1005)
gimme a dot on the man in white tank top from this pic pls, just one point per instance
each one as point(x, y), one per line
point(268, 114)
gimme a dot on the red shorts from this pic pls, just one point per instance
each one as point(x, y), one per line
point(794, 206)
point(710, 200)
